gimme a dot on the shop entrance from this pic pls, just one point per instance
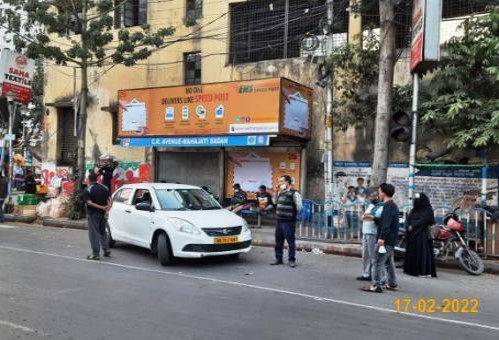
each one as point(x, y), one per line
point(194, 168)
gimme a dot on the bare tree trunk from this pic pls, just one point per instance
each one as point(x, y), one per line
point(385, 84)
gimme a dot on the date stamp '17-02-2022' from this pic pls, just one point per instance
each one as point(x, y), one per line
point(432, 305)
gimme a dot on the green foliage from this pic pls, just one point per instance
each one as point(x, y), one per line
point(78, 31)
point(355, 71)
point(463, 96)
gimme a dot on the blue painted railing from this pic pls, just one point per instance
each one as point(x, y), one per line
point(337, 221)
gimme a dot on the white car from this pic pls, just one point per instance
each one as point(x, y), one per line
point(176, 220)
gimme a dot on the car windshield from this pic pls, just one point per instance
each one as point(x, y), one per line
point(186, 199)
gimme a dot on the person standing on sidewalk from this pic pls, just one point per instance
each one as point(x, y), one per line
point(97, 198)
point(4, 191)
point(386, 240)
point(369, 231)
point(289, 204)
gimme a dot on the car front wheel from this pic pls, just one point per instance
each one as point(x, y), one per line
point(164, 250)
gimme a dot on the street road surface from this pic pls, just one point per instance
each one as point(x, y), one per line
point(48, 290)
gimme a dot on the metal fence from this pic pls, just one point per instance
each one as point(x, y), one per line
point(341, 222)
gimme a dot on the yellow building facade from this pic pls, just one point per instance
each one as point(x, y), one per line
point(208, 41)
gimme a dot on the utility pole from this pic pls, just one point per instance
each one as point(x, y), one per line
point(286, 29)
point(12, 108)
point(412, 152)
point(328, 169)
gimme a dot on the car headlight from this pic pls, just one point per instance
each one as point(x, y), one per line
point(245, 226)
point(185, 227)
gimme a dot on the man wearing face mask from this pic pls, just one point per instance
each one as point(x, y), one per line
point(369, 231)
point(239, 199)
point(289, 204)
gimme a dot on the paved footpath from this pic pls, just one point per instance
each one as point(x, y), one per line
point(49, 291)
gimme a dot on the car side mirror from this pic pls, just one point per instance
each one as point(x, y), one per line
point(144, 206)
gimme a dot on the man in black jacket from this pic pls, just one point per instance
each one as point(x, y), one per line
point(97, 198)
point(387, 239)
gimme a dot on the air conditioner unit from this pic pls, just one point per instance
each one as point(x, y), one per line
point(316, 45)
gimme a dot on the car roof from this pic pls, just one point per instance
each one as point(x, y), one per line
point(159, 186)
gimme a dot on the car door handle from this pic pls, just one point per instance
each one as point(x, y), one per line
point(128, 211)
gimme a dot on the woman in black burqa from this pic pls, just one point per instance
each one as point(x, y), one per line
point(419, 257)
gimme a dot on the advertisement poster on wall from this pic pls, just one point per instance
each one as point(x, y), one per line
point(296, 109)
point(266, 106)
point(17, 75)
point(252, 169)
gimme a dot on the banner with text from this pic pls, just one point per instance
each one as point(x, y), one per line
point(17, 75)
point(266, 106)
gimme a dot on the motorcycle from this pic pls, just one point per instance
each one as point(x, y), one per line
point(448, 239)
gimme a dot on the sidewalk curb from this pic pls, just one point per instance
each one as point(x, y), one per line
point(352, 251)
point(260, 239)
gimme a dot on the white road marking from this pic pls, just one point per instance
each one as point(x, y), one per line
point(6, 226)
point(263, 288)
point(20, 327)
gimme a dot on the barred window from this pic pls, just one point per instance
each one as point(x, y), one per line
point(129, 13)
point(258, 28)
point(194, 9)
point(192, 68)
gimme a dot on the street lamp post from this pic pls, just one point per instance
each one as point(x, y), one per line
point(25, 114)
point(12, 108)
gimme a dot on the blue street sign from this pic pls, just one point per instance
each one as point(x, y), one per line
point(197, 141)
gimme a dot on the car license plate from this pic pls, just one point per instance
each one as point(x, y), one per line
point(226, 240)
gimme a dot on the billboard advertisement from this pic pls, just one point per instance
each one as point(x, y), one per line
point(296, 109)
point(232, 108)
point(252, 169)
point(425, 46)
point(17, 75)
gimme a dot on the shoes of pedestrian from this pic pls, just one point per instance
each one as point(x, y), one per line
point(372, 289)
point(292, 264)
point(276, 262)
point(364, 278)
point(392, 288)
point(93, 257)
point(107, 253)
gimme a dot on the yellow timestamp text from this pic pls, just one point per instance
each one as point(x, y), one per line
point(430, 306)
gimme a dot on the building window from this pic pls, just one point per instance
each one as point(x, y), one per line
point(257, 28)
point(192, 68)
point(129, 13)
point(194, 9)
point(66, 139)
point(458, 8)
point(403, 14)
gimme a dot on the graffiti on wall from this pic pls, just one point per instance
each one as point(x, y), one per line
point(124, 173)
point(53, 175)
point(443, 187)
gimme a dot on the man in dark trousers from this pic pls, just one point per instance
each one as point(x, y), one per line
point(386, 240)
point(289, 204)
point(97, 198)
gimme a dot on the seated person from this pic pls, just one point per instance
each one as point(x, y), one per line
point(239, 200)
point(264, 199)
